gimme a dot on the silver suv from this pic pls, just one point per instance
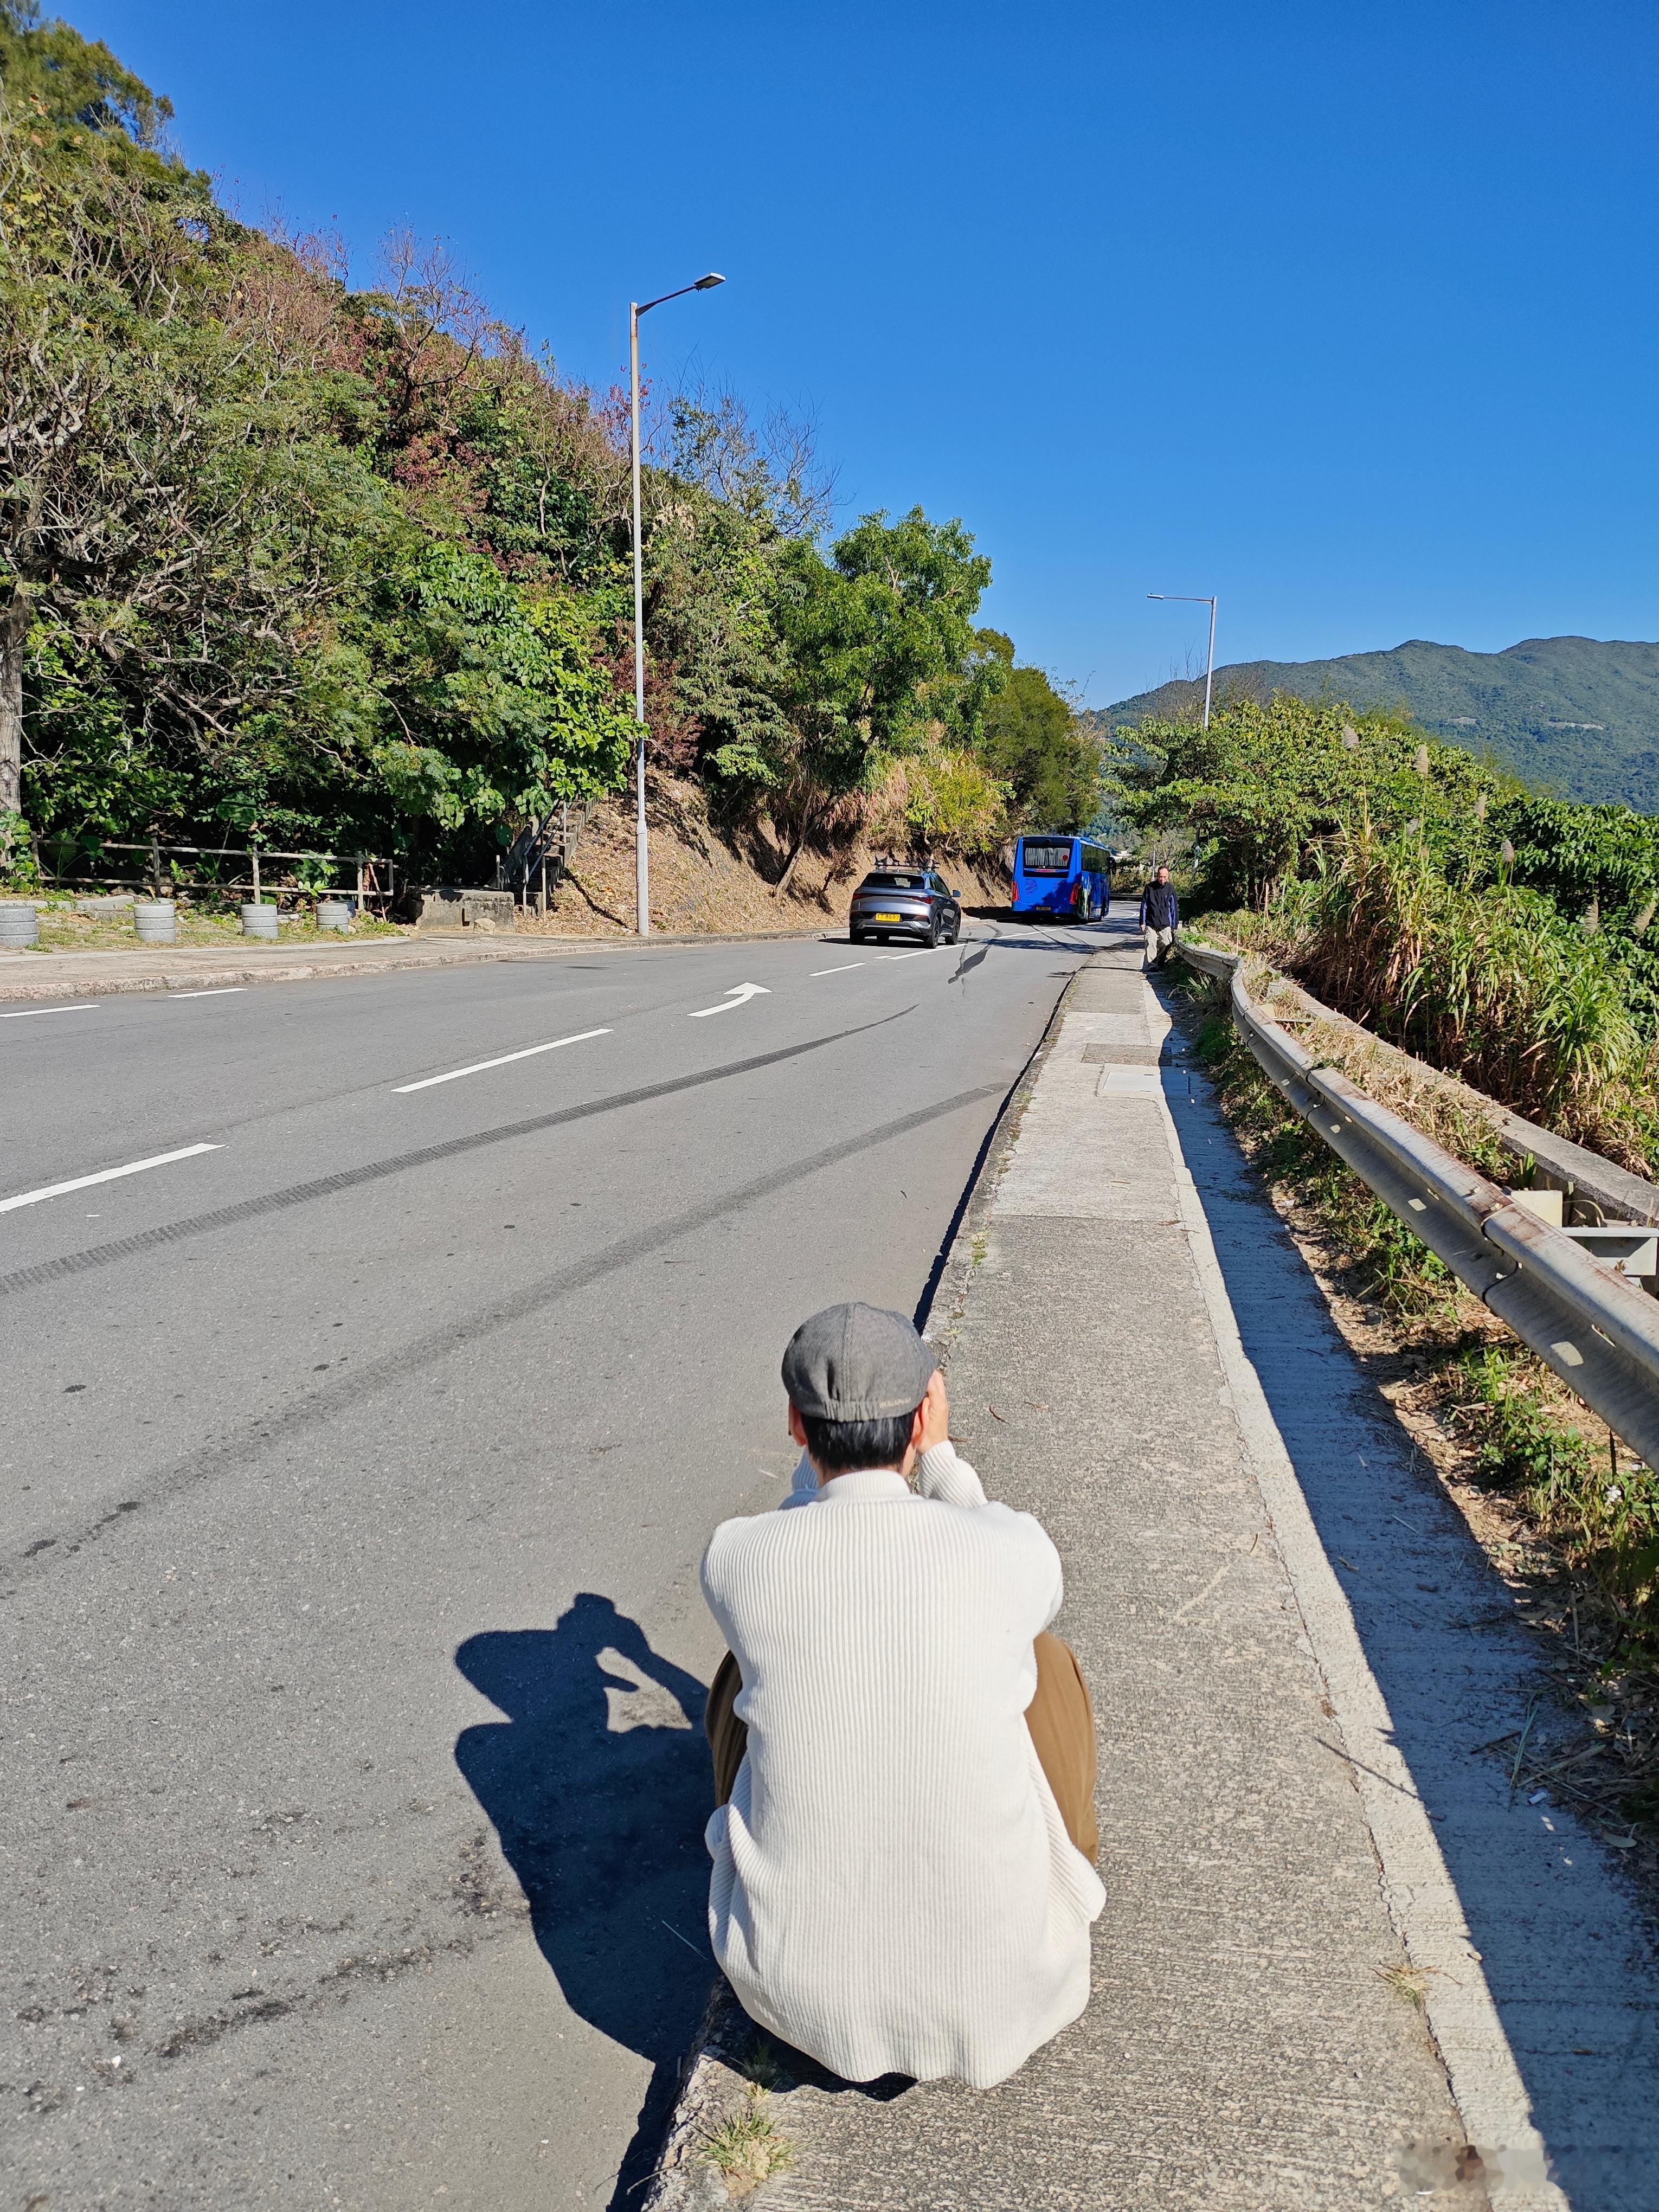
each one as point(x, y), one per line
point(905, 902)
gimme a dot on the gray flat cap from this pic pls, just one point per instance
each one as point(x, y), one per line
point(857, 1363)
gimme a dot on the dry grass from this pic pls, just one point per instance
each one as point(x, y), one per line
point(745, 2148)
point(62, 930)
point(1407, 1982)
point(704, 879)
point(1489, 983)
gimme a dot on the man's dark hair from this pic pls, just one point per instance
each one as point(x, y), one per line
point(842, 1447)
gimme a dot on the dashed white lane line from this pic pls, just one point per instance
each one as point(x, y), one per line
point(104, 1174)
point(921, 955)
point(27, 1013)
point(477, 1066)
point(223, 991)
point(846, 970)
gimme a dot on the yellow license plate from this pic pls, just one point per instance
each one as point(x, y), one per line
point(887, 917)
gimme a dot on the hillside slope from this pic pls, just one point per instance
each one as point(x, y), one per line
point(704, 880)
point(1576, 716)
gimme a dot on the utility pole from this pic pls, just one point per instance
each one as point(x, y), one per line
point(1198, 599)
point(641, 846)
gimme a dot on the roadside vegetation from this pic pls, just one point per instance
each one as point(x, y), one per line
point(1502, 936)
point(1570, 1519)
point(347, 568)
point(1505, 938)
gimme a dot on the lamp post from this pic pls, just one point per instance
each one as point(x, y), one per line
point(1198, 599)
point(642, 848)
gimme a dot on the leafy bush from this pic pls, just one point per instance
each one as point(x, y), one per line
point(1495, 935)
point(1604, 1516)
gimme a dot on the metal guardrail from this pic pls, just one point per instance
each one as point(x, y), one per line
point(1594, 1326)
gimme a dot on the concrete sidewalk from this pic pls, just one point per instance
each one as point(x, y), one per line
point(1334, 1955)
point(115, 970)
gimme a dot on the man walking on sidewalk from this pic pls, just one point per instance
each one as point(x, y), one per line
point(904, 1760)
point(1159, 918)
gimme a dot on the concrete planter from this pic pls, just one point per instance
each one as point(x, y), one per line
point(19, 923)
point(155, 920)
point(260, 922)
point(446, 906)
point(335, 914)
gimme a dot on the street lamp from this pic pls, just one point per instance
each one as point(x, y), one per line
point(642, 850)
point(1198, 599)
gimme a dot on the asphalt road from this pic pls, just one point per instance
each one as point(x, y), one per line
point(357, 1465)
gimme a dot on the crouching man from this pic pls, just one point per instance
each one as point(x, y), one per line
point(904, 1760)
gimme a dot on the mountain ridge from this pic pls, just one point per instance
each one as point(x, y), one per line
point(1575, 716)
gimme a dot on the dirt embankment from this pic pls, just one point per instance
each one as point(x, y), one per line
point(706, 880)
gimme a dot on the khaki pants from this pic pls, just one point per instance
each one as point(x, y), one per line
point(1159, 942)
point(1059, 1717)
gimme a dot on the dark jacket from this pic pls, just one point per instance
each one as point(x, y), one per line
point(1158, 906)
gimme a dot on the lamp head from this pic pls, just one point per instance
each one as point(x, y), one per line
point(707, 283)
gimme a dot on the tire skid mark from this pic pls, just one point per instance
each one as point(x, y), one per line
point(328, 1186)
point(231, 1453)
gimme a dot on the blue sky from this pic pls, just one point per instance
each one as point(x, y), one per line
point(1346, 314)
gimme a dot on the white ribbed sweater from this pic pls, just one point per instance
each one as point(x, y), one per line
point(894, 1890)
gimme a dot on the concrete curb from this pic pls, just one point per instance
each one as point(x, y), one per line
point(236, 968)
point(949, 1297)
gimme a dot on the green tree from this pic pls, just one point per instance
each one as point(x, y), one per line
point(1032, 742)
point(1264, 786)
point(882, 653)
point(349, 566)
point(68, 80)
point(492, 710)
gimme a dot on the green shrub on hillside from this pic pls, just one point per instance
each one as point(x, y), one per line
point(1497, 935)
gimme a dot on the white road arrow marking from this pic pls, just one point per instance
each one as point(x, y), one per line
point(734, 997)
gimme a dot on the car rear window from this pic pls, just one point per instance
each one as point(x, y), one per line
point(887, 883)
point(1047, 860)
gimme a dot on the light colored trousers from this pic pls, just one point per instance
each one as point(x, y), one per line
point(1059, 1718)
point(1158, 941)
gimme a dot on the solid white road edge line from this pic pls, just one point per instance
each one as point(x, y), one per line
point(104, 1174)
point(1418, 1890)
point(846, 970)
point(478, 1066)
point(26, 1012)
point(221, 991)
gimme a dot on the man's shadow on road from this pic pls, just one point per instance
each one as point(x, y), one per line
point(598, 1785)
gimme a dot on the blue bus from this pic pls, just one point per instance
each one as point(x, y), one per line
point(1055, 875)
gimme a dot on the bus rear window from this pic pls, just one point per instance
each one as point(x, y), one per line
point(1041, 860)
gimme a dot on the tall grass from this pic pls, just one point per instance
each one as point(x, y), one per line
point(1490, 983)
point(1603, 1514)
